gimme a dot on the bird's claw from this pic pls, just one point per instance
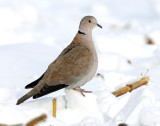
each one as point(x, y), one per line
point(82, 91)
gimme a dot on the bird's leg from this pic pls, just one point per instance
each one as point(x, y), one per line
point(82, 90)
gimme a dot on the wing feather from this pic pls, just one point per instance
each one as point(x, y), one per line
point(70, 67)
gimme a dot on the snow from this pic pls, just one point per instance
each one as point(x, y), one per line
point(33, 33)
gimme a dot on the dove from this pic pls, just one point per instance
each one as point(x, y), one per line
point(74, 67)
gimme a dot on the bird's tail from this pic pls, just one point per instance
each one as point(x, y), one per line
point(34, 91)
point(22, 99)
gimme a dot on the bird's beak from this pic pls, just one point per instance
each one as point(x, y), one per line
point(99, 25)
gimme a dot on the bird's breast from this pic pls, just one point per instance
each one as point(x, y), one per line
point(93, 69)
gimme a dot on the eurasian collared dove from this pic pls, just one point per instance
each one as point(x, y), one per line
point(75, 66)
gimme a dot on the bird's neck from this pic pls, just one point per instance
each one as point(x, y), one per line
point(85, 31)
point(84, 39)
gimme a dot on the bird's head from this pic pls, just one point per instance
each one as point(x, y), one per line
point(88, 23)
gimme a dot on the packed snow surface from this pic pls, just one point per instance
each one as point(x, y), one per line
point(33, 33)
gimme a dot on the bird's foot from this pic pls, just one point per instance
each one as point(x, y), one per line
point(82, 90)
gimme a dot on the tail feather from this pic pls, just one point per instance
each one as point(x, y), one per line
point(34, 91)
point(34, 83)
point(22, 99)
point(49, 89)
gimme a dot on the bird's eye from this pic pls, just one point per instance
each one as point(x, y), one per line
point(89, 21)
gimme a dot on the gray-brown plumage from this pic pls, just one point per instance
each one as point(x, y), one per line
point(75, 66)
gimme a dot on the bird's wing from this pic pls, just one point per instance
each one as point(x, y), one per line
point(70, 66)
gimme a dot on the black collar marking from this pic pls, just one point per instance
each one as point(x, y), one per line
point(81, 33)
